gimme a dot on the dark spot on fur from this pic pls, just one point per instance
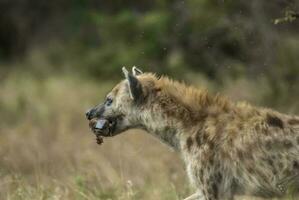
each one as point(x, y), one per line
point(268, 145)
point(280, 165)
point(211, 161)
point(218, 178)
point(274, 121)
point(204, 192)
point(214, 189)
point(211, 145)
point(270, 162)
point(198, 139)
point(262, 175)
point(250, 169)
point(240, 126)
point(204, 137)
point(244, 154)
point(211, 194)
point(296, 165)
point(258, 128)
point(273, 157)
point(287, 143)
point(201, 174)
point(189, 143)
point(297, 139)
point(219, 128)
point(240, 154)
point(293, 121)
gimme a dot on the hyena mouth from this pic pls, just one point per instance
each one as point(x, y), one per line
point(103, 127)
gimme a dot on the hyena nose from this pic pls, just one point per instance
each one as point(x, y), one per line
point(89, 114)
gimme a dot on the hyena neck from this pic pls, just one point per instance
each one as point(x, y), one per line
point(167, 135)
point(159, 128)
point(176, 111)
point(172, 123)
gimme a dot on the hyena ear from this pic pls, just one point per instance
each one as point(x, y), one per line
point(136, 71)
point(135, 87)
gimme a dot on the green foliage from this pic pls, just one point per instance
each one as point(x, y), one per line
point(220, 39)
point(205, 36)
point(290, 16)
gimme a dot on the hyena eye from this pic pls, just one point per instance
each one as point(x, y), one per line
point(109, 101)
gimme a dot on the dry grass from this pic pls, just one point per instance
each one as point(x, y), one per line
point(47, 151)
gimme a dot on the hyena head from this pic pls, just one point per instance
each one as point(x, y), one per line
point(122, 107)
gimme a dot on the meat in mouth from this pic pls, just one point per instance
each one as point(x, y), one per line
point(103, 127)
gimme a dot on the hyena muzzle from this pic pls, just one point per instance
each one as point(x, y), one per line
point(114, 115)
point(228, 148)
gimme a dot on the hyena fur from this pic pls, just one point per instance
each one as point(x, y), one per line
point(229, 148)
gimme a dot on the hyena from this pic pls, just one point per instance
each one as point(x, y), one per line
point(229, 148)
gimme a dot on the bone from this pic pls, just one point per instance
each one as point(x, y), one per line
point(101, 124)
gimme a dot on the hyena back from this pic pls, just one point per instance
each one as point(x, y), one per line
point(229, 148)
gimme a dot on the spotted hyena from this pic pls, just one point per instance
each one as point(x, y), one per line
point(229, 148)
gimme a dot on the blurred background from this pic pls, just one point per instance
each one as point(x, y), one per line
point(60, 57)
